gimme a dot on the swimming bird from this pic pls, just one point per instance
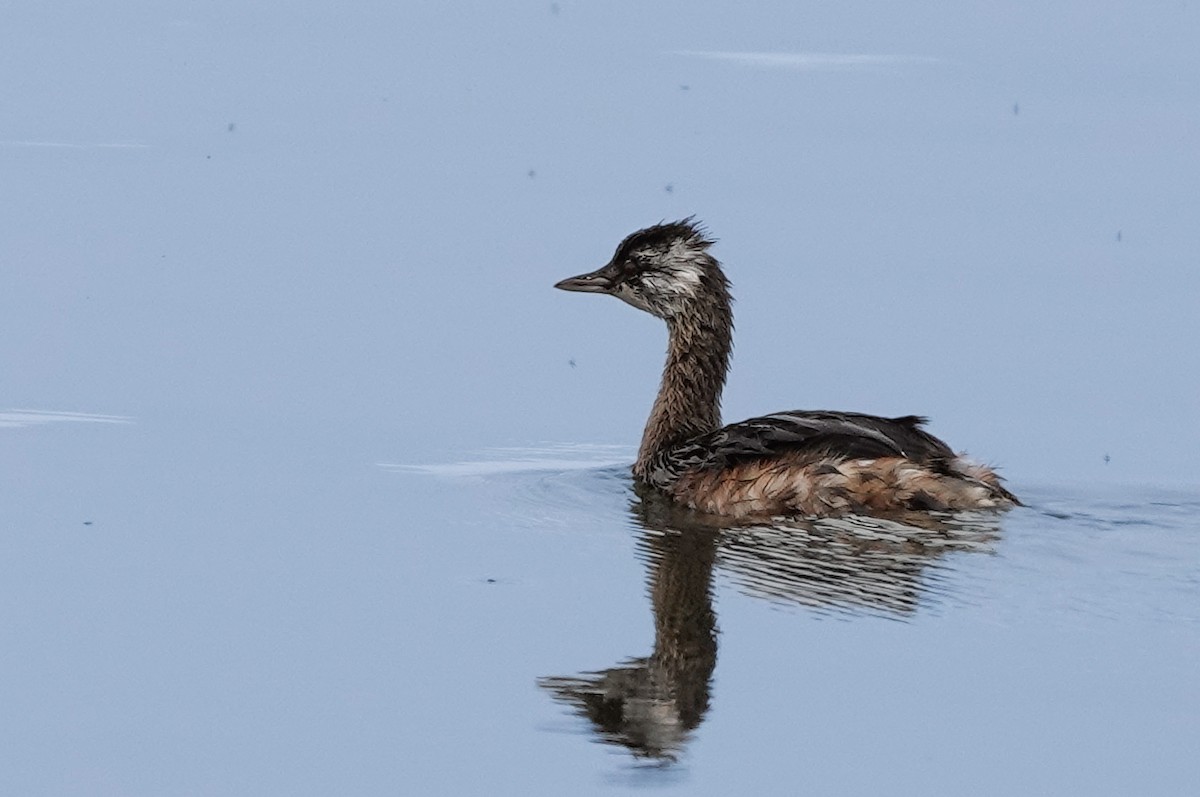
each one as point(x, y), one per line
point(801, 462)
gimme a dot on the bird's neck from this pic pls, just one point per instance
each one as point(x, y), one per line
point(689, 398)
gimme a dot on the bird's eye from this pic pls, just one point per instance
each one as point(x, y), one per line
point(634, 281)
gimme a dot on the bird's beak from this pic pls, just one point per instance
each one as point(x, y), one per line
point(599, 281)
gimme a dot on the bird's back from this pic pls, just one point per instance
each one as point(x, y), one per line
point(819, 463)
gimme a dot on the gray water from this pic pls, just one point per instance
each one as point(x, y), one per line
point(311, 484)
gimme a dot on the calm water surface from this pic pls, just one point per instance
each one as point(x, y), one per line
point(257, 618)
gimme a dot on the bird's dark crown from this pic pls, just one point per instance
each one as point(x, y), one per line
point(658, 239)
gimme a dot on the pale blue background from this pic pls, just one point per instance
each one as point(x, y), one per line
point(287, 242)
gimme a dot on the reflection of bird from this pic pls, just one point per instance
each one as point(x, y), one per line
point(848, 564)
point(653, 705)
point(650, 705)
point(801, 462)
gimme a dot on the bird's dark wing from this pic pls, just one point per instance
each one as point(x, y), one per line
point(842, 435)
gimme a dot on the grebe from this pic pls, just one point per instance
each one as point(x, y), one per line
point(791, 463)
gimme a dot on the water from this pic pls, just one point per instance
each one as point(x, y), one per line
point(231, 618)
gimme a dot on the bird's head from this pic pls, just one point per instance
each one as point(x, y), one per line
point(665, 270)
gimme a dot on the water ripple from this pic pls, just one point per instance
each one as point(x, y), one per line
point(22, 418)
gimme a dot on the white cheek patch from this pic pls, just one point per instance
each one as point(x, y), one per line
point(668, 293)
point(672, 279)
point(686, 279)
point(684, 268)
